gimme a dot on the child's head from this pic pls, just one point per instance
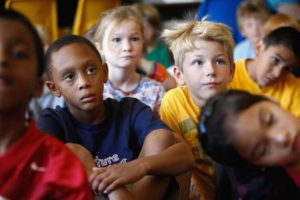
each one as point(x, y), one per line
point(151, 20)
point(251, 17)
point(21, 62)
point(277, 54)
point(119, 37)
point(76, 72)
point(237, 128)
point(203, 55)
point(280, 20)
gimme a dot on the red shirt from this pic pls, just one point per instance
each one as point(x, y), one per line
point(38, 166)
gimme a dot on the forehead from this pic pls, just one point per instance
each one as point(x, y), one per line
point(126, 25)
point(12, 31)
point(284, 52)
point(73, 53)
point(207, 48)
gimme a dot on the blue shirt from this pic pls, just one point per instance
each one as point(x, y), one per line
point(118, 139)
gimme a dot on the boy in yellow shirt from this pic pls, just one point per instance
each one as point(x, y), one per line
point(269, 73)
point(203, 55)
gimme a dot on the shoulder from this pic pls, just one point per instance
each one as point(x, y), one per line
point(177, 94)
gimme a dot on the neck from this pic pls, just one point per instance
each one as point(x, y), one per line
point(124, 79)
point(250, 67)
point(11, 129)
point(93, 116)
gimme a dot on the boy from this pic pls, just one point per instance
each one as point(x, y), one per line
point(33, 164)
point(204, 65)
point(115, 133)
point(251, 17)
point(269, 73)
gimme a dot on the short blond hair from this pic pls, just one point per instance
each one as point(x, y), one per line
point(280, 20)
point(115, 17)
point(182, 36)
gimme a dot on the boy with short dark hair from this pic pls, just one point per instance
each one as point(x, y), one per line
point(278, 53)
point(128, 143)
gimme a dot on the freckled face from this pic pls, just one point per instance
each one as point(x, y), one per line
point(207, 70)
point(122, 46)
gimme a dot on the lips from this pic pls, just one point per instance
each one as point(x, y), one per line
point(210, 84)
point(88, 98)
point(269, 80)
point(4, 81)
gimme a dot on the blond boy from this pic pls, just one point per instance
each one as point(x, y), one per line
point(203, 55)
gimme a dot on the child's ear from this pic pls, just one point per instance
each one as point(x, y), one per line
point(98, 46)
point(38, 90)
point(259, 47)
point(232, 70)
point(52, 87)
point(105, 72)
point(178, 75)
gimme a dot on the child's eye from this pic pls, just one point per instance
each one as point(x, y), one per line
point(197, 62)
point(91, 70)
point(69, 77)
point(20, 54)
point(220, 62)
point(275, 60)
point(269, 119)
point(135, 39)
point(116, 39)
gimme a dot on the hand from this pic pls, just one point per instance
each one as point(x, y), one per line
point(106, 179)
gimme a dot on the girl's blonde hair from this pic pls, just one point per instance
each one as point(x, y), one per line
point(182, 36)
point(115, 17)
point(280, 20)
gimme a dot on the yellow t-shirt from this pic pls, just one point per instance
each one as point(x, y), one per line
point(286, 91)
point(181, 114)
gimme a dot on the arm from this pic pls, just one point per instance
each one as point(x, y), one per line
point(159, 156)
point(158, 72)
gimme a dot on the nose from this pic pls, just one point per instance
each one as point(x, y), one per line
point(277, 72)
point(210, 69)
point(126, 45)
point(3, 58)
point(83, 82)
point(281, 138)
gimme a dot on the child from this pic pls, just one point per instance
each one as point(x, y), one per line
point(33, 164)
point(119, 39)
point(154, 49)
point(251, 17)
point(282, 20)
point(127, 142)
point(204, 66)
point(269, 73)
point(272, 140)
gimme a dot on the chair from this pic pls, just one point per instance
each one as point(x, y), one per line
point(42, 12)
point(87, 13)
